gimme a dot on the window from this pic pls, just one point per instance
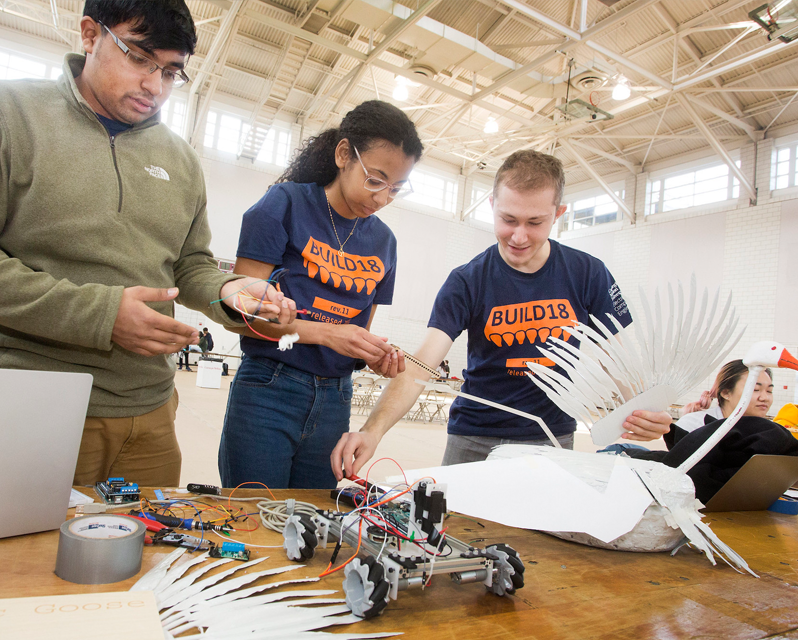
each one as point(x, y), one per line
point(484, 212)
point(588, 212)
point(782, 168)
point(692, 189)
point(231, 133)
point(16, 66)
point(433, 190)
point(225, 132)
point(276, 147)
point(173, 114)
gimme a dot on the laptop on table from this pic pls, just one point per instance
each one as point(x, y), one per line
point(41, 423)
point(756, 485)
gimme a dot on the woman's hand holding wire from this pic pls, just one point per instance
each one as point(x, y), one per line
point(390, 365)
point(356, 342)
point(258, 298)
point(353, 450)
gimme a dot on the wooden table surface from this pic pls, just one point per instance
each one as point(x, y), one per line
point(571, 591)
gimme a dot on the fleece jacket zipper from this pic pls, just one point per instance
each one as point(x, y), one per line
point(116, 168)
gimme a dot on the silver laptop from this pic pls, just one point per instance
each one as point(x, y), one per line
point(41, 423)
point(756, 485)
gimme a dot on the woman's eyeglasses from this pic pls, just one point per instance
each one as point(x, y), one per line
point(375, 184)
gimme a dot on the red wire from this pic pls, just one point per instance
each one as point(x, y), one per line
point(380, 460)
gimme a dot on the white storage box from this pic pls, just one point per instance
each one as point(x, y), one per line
point(209, 374)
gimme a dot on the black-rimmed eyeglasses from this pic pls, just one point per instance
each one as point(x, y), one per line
point(143, 64)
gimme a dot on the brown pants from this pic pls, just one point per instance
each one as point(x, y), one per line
point(142, 449)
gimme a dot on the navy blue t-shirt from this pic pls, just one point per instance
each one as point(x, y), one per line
point(113, 127)
point(508, 314)
point(290, 227)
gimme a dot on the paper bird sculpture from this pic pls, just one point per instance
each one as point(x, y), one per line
point(677, 347)
point(600, 500)
point(220, 608)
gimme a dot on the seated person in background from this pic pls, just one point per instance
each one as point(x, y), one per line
point(731, 376)
point(753, 434)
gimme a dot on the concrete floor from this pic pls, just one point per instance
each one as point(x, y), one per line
point(200, 416)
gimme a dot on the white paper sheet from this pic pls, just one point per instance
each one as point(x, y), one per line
point(532, 492)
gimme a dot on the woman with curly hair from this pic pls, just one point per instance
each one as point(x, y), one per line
point(315, 232)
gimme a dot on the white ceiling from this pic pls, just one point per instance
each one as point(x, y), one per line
point(704, 78)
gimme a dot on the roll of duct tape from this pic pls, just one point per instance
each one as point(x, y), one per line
point(99, 549)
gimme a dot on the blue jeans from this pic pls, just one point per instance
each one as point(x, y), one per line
point(281, 426)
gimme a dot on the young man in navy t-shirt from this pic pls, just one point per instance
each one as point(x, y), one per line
point(509, 299)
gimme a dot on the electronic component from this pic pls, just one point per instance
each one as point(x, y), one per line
point(117, 491)
point(357, 494)
point(204, 489)
point(402, 545)
point(351, 496)
point(182, 540)
point(231, 550)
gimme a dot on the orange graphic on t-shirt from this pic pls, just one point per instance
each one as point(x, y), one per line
point(533, 321)
point(334, 307)
point(348, 270)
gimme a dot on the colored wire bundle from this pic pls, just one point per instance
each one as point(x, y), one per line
point(370, 513)
point(242, 295)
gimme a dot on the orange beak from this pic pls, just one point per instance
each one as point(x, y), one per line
point(788, 361)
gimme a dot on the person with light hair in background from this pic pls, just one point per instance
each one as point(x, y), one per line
point(509, 299)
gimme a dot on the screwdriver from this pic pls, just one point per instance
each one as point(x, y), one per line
point(180, 523)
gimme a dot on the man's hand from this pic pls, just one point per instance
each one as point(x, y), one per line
point(358, 343)
point(252, 291)
point(647, 425)
point(352, 452)
point(142, 330)
point(390, 365)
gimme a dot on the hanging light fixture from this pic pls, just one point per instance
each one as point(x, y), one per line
point(400, 92)
point(621, 91)
point(491, 126)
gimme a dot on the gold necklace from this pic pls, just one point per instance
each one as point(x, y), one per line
point(341, 244)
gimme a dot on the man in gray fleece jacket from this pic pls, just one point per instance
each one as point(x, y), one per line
point(103, 223)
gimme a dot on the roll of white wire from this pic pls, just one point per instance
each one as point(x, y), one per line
point(274, 513)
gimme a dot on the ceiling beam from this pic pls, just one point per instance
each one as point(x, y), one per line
point(747, 58)
point(629, 165)
point(717, 146)
point(382, 47)
point(751, 131)
point(565, 144)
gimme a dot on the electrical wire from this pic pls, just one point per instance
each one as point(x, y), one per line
point(274, 513)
